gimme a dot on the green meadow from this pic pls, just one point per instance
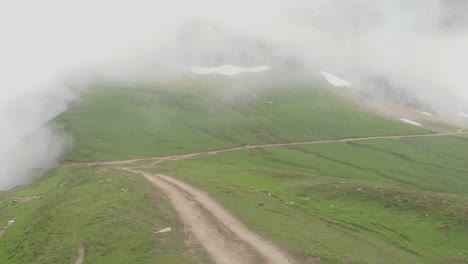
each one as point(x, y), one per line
point(112, 214)
point(382, 201)
point(375, 201)
point(120, 123)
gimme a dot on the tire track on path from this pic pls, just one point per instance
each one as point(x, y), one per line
point(160, 159)
point(225, 238)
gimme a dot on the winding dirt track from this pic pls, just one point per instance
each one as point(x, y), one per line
point(81, 255)
point(225, 238)
point(2, 231)
point(158, 160)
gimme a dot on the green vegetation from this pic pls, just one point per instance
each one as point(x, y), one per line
point(113, 214)
point(379, 201)
point(383, 201)
point(120, 123)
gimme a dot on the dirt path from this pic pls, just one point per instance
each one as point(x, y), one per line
point(92, 163)
point(225, 238)
point(158, 160)
point(2, 231)
point(81, 255)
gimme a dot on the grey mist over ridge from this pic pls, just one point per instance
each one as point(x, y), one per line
point(414, 48)
point(52, 49)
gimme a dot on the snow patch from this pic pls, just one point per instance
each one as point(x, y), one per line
point(410, 122)
point(164, 230)
point(336, 81)
point(378, 104)
point(463, 115)
point(229, 70)
point(426, 113)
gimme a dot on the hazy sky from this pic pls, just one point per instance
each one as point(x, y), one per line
point(49, 45)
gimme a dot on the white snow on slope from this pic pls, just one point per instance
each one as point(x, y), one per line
point(336, 81)
point(164, 230)
point(229, 70)
point(426, 113)
point(410, 122)
point(463, 115)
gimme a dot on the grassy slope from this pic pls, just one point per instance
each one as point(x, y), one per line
point(384, 201)
point(119, 123)
point(113, 214)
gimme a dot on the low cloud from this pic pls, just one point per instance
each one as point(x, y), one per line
point(51, 49)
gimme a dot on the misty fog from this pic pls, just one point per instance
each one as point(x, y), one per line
point(50, 50)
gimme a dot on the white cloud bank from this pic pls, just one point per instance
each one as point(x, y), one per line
point(49, 46)
point(229, 70)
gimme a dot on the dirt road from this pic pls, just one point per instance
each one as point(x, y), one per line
point(81, 255)
point(225, 238)
point(158, 160)
point(2, 231)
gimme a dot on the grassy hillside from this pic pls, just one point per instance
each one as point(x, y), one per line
point(385, 201)
point(114, 215)
point(381, 201)
point(119, 123)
